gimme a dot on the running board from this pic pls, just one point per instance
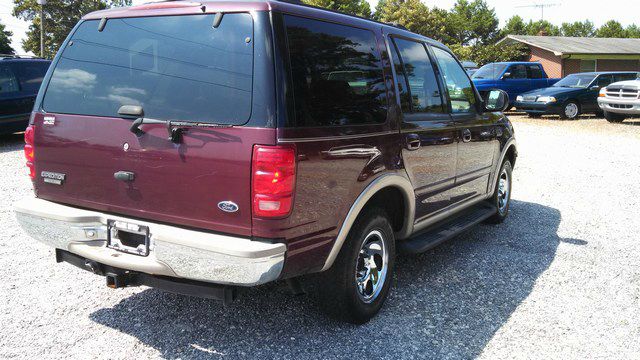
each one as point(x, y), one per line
point(445, 230)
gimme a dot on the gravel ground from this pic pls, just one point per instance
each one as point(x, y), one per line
point(560, 279)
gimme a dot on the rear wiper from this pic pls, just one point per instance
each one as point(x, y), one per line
point(174, 128)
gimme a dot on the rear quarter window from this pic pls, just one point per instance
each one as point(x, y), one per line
point(30, 75)
point(175, 67)
point(336, 73)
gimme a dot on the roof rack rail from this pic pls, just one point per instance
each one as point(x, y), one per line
point(17, 56)
point(398, 25)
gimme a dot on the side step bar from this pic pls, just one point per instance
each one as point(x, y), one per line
point(445, 230)
point(119, 278)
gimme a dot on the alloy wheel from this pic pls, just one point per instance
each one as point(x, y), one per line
point(503, 191)
point(371, 267)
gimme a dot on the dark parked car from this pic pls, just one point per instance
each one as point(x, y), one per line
point(574, 95)
point(203, 148)
point(20, 79)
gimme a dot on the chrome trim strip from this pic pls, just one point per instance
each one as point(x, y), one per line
point(445, 213)
point(335, 138)
point(385, 181)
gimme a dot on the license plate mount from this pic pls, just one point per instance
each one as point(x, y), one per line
point(128, 237)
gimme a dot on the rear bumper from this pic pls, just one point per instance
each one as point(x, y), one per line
point(174, 252)
point(620, 106)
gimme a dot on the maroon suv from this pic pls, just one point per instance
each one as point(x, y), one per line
point(204, 147)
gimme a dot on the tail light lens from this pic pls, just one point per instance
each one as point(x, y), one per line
point(29, 150)
point(273, 180)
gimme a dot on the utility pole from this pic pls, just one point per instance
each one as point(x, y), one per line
point(42, 3)
point(539, 6)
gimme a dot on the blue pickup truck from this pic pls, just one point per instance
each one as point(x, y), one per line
point(514, 78)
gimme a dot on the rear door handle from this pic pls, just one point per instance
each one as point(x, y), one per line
point(413, 142)
point(466, 135)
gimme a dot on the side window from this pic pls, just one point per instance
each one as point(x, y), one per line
point(624, 77)
point(534, 72)
point(8, 81)
point(30, 75)
point(459, 88)
point(336, 73)
point(517, 72)
point(423, 85)
point(604, 80)
point(403, 85)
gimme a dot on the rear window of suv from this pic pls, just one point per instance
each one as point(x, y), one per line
point(175, 67)
point(336, 73)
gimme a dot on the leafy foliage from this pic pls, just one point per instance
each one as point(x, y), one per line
point(474, 23)
point(485, 54)
point(354, 7)
point(415, 16)
point(5, 41)
point(611, 29)
point(578, 29)
point(60, 18)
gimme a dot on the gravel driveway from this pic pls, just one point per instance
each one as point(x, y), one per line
point(560, 279)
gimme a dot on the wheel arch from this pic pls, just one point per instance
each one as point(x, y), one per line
point(378, 193)
point(509, 151)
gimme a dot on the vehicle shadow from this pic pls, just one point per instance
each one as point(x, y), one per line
point(11, 142)
point(448, 302)
point(631, 122)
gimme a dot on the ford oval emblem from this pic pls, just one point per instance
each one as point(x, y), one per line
point(228, 206)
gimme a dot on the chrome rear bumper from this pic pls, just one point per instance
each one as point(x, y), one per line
point(174, 251)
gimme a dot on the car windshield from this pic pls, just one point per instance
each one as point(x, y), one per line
point(576, 81)
point(175, 67)
point(489, 71)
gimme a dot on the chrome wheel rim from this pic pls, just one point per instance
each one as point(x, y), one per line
point(571, 110)
point(371, 266)
point(503, 191)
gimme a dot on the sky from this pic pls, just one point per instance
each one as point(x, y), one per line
point(624, 11)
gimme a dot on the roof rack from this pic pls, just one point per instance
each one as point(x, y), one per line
point(16, 56)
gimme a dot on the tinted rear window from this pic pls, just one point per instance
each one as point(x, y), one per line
point(336, 73)
point(30, 75)
point(175, 67)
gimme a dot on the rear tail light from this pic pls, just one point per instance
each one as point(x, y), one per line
point(273, 180)
point(29, 150)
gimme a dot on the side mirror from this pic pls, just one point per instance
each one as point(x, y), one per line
point(506, 75)
point(595, 87)
point(496, 100)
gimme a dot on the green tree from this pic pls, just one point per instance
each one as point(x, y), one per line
point(485, 54)
point(415, 16)
point(633, 31)
point(5, 41)
point(354, 7)
point(60, 18)
point(474, 22)
point(514, 26)
point(611, 29)
point(578, 29)
point(542, 27)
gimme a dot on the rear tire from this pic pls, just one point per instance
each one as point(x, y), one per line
point(501, 198)
point(355, 288)
point(570, 110)
point(613, 117)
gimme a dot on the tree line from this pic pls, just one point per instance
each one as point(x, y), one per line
point(471, 28)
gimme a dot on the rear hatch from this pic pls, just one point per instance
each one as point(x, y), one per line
point(194, 69)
